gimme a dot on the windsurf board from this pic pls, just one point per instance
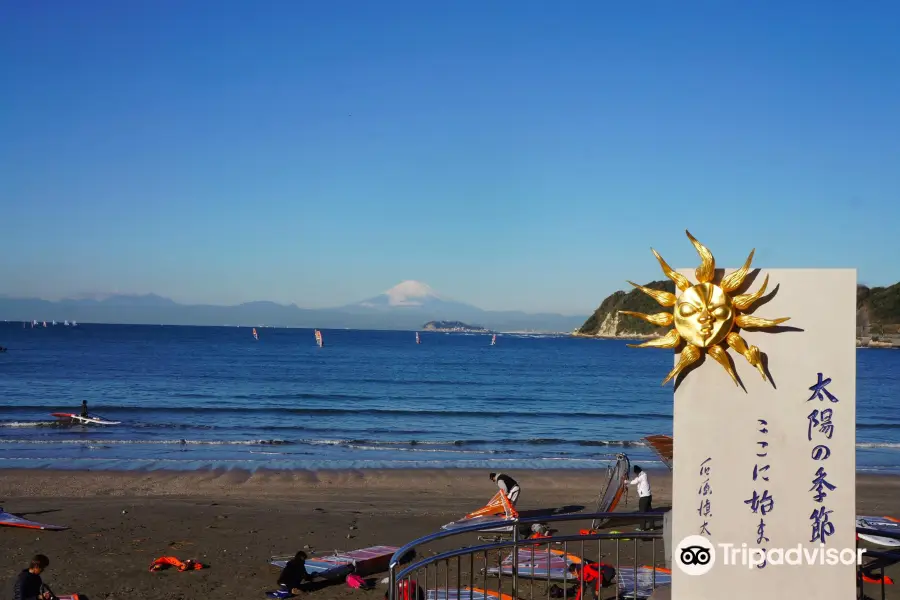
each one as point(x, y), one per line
point(89, 420)
point(10, 520)
point(645, 583)
point(366, 561)
point(886, 524)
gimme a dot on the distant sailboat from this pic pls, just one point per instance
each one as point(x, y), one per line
point(255, 336)
point(417, 338)
point(66, 323)
point(45, 323)
point(319, 342)
point(494, 340)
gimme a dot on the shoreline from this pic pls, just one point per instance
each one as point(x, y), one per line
point(33, 483)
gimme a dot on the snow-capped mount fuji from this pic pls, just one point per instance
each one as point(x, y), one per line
point(410, 295)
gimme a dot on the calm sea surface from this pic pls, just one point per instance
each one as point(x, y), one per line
point(192, 397)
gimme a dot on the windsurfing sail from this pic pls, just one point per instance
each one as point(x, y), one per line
point(365, 561)
point(255, 335)
point(613, 489)
point(417, 338)
point(644, 584)
point(465, 593)
point(662, 445)
point(494, 340)
point(540, 563)
point(10, 520)
point(318, 338)
point(498, 510)
point(88, 420)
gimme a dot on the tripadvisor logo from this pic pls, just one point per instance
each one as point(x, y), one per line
point(695, 555)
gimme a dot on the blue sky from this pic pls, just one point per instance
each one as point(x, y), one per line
point(517, 155)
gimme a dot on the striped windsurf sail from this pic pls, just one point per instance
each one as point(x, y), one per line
point(613, 489)
point(465, 593)
point(540, 563)
point(630, 587)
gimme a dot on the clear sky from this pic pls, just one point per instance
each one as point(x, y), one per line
point(514, 155)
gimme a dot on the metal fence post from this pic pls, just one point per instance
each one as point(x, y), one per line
point(515, 561)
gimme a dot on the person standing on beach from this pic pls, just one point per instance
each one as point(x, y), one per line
point(509, 486)
point(29, 584)
point(645, 498)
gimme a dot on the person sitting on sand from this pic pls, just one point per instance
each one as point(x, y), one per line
point(84, 411)
point(509, 485)
point(294, 573)
point(29, 585)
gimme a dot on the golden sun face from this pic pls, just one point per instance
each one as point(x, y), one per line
point(706, 314)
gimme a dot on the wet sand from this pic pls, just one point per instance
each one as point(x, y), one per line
point(234, 521)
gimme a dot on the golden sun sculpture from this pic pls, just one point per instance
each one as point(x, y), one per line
point(705, 314)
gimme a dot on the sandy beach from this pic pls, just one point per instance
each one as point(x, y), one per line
point(235, 520)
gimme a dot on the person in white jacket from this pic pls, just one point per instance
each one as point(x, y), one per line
point(645, 498)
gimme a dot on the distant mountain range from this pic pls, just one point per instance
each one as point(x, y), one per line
point(408, 305)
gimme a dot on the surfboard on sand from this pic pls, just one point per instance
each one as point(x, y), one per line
point(366, 561)
point(89, 420)
point(10, 520)
point(885, 524)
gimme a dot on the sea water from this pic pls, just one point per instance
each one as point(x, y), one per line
point(196, 397)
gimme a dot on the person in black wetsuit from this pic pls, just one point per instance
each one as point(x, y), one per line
point(509, 485)
point(84, 411)
point(294, 573)
point(29, 584)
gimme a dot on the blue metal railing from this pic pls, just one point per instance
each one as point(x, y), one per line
point(875, 568)
point(514, 544)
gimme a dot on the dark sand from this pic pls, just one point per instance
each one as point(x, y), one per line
point(234, 521)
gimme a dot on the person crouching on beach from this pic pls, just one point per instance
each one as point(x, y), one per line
point(294, 573)
point(29, 584)
point(509, 486)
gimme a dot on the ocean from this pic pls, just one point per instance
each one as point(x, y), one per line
point(212, 397)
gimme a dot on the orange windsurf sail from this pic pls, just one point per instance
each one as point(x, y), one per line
point(498, 505)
